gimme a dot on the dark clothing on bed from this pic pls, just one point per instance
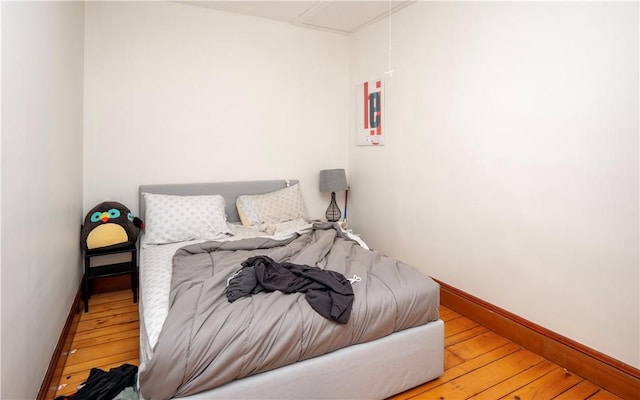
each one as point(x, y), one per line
point(328, 292)
point(243, 283)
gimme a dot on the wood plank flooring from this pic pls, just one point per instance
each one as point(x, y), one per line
point(106, 337)
point(479, 364)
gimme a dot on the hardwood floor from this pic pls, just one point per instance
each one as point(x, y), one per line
point(479, 364)
point(106, 337)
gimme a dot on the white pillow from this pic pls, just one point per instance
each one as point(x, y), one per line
point(274, 207)
point(170, 219)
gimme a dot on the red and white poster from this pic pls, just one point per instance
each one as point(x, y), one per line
point(370, 113)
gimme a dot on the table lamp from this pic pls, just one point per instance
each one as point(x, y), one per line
point(333, 180)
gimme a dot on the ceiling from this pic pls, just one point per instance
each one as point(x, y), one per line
point(338, 16)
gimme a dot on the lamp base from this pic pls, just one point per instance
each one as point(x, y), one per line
point(333, 213)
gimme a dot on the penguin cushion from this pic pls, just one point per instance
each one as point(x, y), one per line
point(110, 225)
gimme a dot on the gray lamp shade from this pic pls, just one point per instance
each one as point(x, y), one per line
point(333, 180)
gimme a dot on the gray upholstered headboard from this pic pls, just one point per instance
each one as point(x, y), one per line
point(229, 190)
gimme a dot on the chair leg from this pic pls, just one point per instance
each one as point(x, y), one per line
point(85, 284)
point(85, 293)
point(134, 285)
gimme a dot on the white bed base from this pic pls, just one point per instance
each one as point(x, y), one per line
point(372, 370)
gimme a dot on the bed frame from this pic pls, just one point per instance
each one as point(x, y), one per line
point(372, 370)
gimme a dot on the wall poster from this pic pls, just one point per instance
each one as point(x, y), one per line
point(370, 113)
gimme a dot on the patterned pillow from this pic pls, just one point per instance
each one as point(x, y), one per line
point(274, 207)
point(170, 219)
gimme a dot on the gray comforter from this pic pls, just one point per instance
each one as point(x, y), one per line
point(206, 341)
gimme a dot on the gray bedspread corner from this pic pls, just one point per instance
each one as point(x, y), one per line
point(206, 341)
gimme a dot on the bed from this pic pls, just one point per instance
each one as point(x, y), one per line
point(380, 364)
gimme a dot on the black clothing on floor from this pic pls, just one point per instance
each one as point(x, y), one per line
point(103, 385)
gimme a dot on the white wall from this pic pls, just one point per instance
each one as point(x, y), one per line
point(42, 47)
point(511, 164)
point(176, 93)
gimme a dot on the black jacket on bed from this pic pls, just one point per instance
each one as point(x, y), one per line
point(328, 292)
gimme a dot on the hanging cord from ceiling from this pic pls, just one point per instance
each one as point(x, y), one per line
point(389, 72)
